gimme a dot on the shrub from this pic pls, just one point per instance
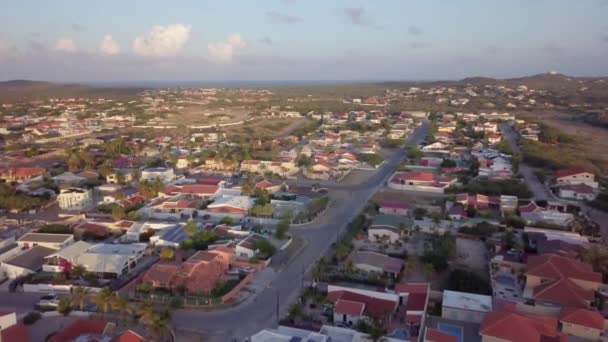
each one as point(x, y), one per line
point(31, 318)
point(467, 281)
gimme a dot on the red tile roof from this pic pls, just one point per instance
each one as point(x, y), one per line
point(510, 325)
point(564, 292)
point(128, 336)
point(264, 184)
point(572, 171)
point(79, 328)
point(348, 307)
point(552, 266)
point(374, 307)
point(416, 176)
point(394, 205)
point(433, 335)
point(17, 332)
point(583, 317)
point(530, 207)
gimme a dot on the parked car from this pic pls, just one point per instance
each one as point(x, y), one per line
point(50, 299)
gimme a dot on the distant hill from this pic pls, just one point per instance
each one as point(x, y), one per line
point(25, 90)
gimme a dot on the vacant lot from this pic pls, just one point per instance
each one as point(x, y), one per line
point(266, 127)
point(199, 115)
point(593, 140)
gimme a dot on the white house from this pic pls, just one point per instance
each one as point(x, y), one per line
point(247, 247)
point(577, 191)
point(53, 241)
point(576, 175)
point(75, 199)
point(462, 306)
point(164, 174)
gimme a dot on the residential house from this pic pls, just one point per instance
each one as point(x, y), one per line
point(120, 176)
point(164, 174)
point(576, 175)
point(199, 274)
point(434, 335)
point(386, 228)
point(377, 263)
point(28, 262)
point(229, 204)
point(420, 181)
point(219, 164)
point(583, 323)
point(20, 174)
point(394, 208)
point(53, 241)
point(247, 247)
point(202, 191)
point(462, 306)
point(581, 192)
point(509, 324)
point(75, 199)
point(352, 305)
point(282, 169)
point(554, 280)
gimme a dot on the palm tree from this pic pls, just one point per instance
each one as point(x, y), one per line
point(103, 299)
point(120, 304)
point(65, 306)
point(77, 271)
point(376, 330)
point(146, 312)
point(157, 327)
point(79, 295)
point(350, 267)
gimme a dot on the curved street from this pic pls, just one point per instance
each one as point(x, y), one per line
point(260, 309)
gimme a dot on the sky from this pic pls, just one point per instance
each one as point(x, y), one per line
point(200, 40)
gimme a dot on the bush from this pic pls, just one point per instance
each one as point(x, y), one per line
point(55, 229)
point(481, 230)
point(224, 287)
point(226, 220)
point(31, 318)
point(176, 303)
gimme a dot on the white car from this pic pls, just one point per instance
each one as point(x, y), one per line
point(50, 299)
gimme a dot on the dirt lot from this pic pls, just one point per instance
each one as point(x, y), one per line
point(266, 127)
point(594, 140)
point(409, 197)
point(197, 115)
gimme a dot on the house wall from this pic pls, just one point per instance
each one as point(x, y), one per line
point(582, 178)
point(8, 320)
point(485, 338)
point(422, 188)
point(52, 245)
point(581, 331)
point(394, 211)
point(373, 233)
point(368, 268)
point(462, 314)
point(13, 271)
point(349, 318)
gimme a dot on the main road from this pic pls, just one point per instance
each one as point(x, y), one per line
point(259, 311)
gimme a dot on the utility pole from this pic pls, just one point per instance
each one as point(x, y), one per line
point(277, 292)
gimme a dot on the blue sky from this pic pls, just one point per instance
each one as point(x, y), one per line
point(111, 40)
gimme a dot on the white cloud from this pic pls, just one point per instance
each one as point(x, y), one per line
point(65, 45)
point(109, 46)
point(223, 51)
point(162, 41)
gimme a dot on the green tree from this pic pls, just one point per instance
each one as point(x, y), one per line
point(167, 253)
point(78, 296)
point(103, 299)
point(64, 306)
point(190, 228)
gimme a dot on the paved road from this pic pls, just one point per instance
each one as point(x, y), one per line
point(539, 190)
point(260, 310)
point(542, 192)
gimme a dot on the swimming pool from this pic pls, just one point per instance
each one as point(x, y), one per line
point(453, 330)
point(505, 280)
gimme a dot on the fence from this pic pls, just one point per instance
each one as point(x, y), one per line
point(228, 296)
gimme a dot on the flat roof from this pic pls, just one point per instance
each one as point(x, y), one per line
point(45, 237)
point(32, 259)
point(467, 301)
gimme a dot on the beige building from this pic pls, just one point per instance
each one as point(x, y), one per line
point(75, 199)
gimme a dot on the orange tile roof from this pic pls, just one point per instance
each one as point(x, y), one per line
point(564, 292)
point(552, 266)
point(508, 324)
point(17, 332)
point(128, 336)
point(433, 335)
point(583, 317)
point(348, 307)
point(78, 328)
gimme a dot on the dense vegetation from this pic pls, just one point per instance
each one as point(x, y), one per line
point(12, 199)
point(467, 281)
point(511, 187)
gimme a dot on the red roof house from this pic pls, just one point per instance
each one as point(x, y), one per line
point(510, 325)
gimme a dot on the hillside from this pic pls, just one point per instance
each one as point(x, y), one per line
point(25, 90)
